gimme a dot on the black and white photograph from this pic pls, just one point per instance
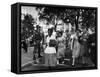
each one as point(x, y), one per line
point(57, 37)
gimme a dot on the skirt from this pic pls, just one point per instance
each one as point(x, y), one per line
point(76, 50)
point(83, 50)
point(50, 59)
point(61, 52)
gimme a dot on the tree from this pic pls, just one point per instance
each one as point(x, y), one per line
point(51, 14)
point(27, 26)
point(88, 17)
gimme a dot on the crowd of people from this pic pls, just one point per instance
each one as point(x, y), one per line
point(53, 47)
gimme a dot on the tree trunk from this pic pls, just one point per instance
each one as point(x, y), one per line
point(77, 19)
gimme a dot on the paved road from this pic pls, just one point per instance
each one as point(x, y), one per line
point(28, 64)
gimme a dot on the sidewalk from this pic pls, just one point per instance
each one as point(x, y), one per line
point(27, 58)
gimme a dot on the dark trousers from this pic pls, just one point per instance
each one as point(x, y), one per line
point(25, 47)
point(36, 52)
point(93, 55)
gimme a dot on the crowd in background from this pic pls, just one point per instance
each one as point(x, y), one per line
point(53, 47)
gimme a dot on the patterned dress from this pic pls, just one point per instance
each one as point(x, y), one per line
point(75, 47)
point(61, 47)
point(83, 43)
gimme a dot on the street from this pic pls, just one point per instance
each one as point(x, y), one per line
point(27, 62)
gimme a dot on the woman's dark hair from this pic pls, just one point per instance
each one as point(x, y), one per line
point(50, 31)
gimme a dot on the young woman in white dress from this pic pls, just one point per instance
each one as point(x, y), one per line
point(50, 51)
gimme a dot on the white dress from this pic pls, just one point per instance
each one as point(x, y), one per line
point(50, 57)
